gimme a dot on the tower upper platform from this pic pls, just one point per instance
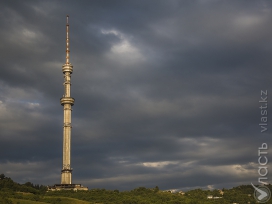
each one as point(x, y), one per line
point(67, 100)
point(67, 67)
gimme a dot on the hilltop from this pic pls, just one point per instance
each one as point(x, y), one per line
point(28, 193)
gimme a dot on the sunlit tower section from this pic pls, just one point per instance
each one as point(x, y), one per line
point(67, 102)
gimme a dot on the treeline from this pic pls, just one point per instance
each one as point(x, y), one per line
point(10, 189)
point(142, 195)
point(12, 192)
point(8, 185)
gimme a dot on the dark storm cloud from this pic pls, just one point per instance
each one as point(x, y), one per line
point(166, 94)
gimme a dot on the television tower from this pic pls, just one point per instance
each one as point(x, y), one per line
point(67, 102)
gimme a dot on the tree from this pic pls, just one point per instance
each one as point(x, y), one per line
point(2, 176)
point(156, 189)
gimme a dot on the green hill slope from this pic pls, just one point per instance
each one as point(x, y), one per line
point(14, 193)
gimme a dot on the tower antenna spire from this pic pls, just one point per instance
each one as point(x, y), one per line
point(67, 41)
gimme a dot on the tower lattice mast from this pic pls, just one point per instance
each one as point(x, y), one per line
point(67, 102)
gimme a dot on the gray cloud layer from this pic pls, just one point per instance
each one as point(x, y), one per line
point(166, 93)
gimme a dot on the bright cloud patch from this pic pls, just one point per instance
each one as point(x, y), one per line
point(33, 105)
point(158, 164)
point(123, 51)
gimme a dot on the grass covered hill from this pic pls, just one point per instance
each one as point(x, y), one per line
point(28, 193)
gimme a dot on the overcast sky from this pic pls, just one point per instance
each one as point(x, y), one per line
point(166, 92)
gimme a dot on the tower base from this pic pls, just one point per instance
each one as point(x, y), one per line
point(75, 187)
point(66, 176)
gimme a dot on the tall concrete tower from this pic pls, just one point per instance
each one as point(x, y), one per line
point(67, 102)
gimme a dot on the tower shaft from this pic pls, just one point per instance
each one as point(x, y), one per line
point(67, 102)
